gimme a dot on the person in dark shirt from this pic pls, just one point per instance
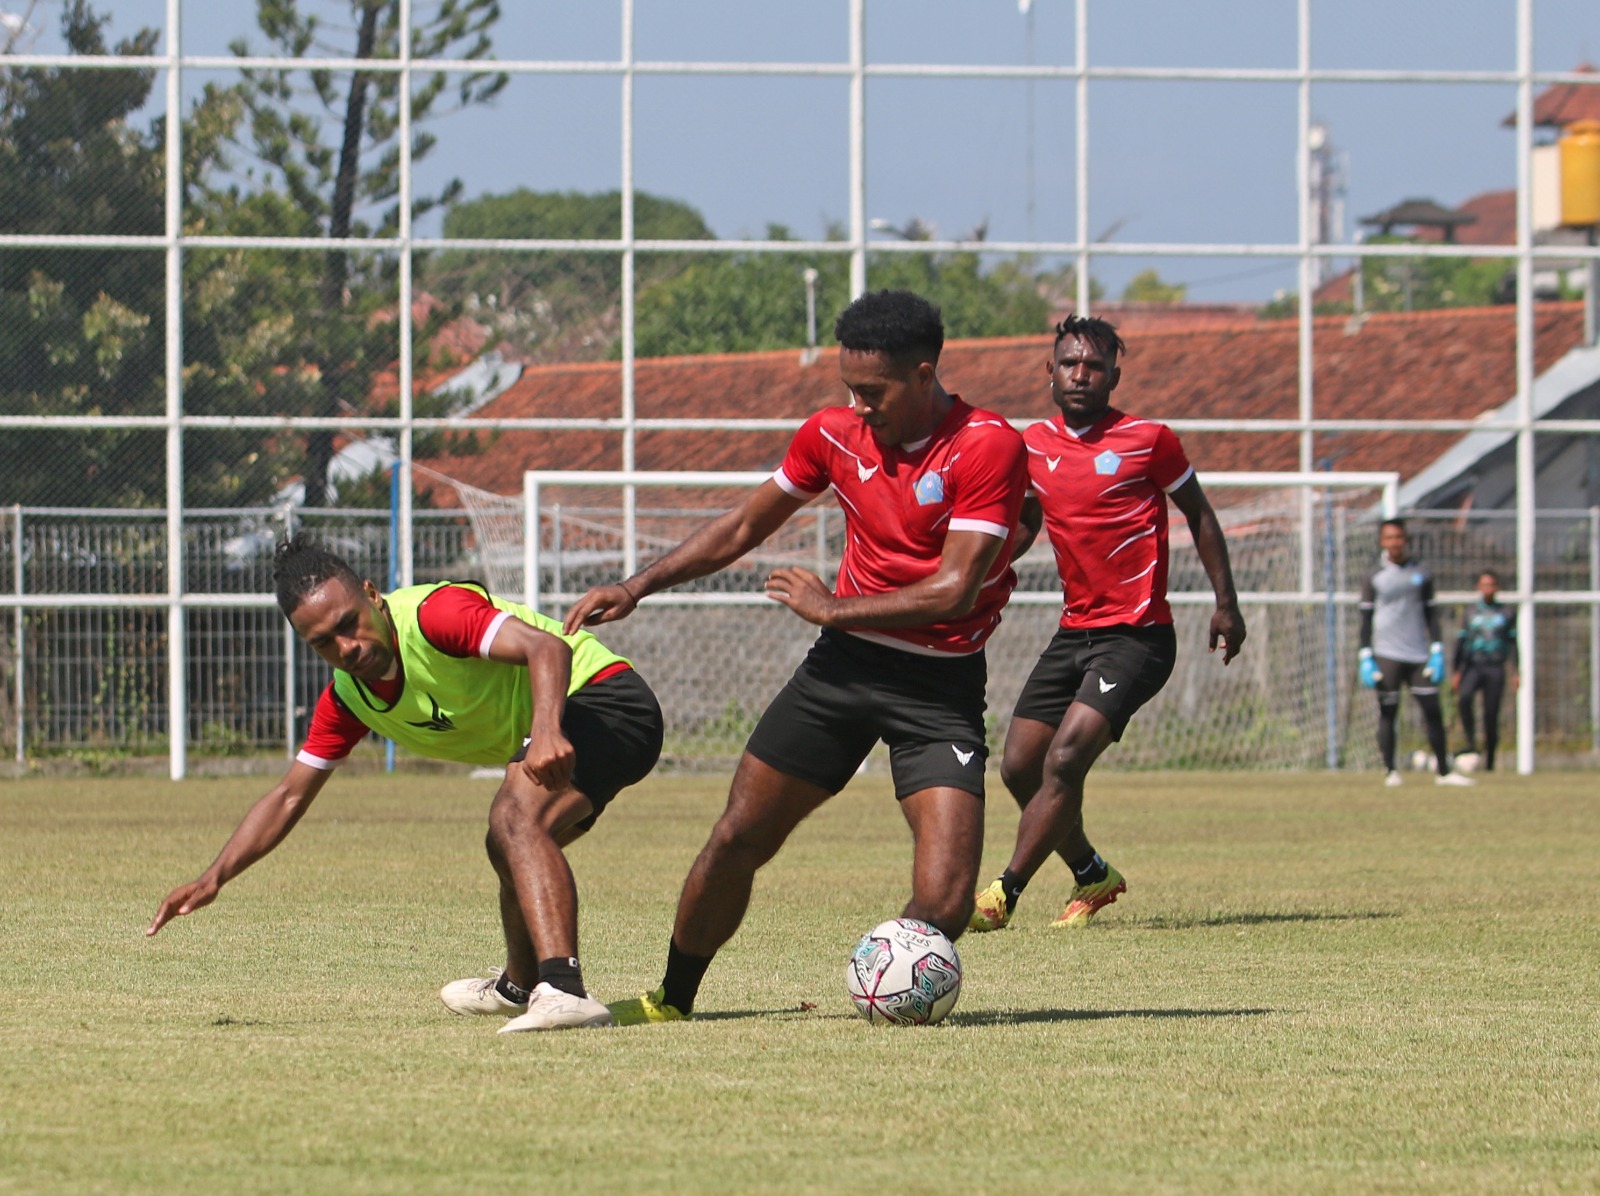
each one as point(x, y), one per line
point(1485, 660)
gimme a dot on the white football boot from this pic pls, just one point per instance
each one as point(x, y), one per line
point(478, 995)
point(551, 1009)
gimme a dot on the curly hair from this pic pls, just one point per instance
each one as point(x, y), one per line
point(1100, 333)
point(901, 325)
point(302, 563)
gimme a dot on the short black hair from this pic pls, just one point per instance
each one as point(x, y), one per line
point(901, 325)
point(1100, 333)
point(301, 563)
point(1399, 523)
point(1482, 573)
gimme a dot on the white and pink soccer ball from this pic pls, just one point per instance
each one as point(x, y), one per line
point(903, 973)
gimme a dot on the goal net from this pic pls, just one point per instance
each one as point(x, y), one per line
point(717, 650)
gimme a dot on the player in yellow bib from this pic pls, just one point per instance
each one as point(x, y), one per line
point(449, 671)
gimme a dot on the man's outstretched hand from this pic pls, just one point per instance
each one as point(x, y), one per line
point(603, 604)
point(184, 899)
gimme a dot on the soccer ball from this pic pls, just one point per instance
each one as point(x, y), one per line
point(1466, 763)
point(904, 973)
point(1422, 761)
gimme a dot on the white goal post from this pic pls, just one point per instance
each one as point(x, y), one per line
point(717, 649)
point(537, 484)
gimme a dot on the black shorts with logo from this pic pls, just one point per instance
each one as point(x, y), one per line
point(849, 693)
point(615, 728)
point(1114, 670)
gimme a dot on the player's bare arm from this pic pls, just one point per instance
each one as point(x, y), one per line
point(1029, 521)
point(1227, 624)
point(263, 827)
point(714, 546)
point(550, 756)
point(947, 593)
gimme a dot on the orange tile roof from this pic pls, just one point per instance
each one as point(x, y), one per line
point(1139, 319)
point(1496, 223)
point(1452, 363)
point(1558, 105)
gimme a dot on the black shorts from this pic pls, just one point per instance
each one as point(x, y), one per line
point(1392, 674)
point(848, 693)
point(1114, 670)
point(615, 729)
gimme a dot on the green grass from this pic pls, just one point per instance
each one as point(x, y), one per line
point(1313, 985)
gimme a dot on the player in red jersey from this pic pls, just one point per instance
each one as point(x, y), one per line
point(1102, 478)
point(932, 490)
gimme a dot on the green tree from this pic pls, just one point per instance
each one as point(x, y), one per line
point(1412, 284)
point(1147, 286)
point(1006, 300)
point(81, 330)
point(1423, 283)
point(744, 302)
point(562, 305)
point(326, 164)
point(738, 303)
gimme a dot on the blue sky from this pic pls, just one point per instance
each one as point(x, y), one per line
point(1171, 161)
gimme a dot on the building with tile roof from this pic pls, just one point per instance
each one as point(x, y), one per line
point(1451, 363)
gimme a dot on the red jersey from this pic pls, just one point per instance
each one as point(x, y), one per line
point(1104, 491)
point(900, 502)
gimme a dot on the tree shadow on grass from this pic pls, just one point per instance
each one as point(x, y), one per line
point(1159, 922)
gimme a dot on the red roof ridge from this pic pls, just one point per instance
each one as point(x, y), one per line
point(1426, 315)
point(1429, 314)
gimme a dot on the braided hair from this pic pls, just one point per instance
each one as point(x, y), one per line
point(301, 564)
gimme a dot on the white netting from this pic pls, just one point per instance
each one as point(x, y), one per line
point(498, 532)
point(716, 651)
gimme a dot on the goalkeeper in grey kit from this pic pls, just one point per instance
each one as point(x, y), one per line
point(1400, 644)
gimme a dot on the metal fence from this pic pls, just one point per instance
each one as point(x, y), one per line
point(86, 679)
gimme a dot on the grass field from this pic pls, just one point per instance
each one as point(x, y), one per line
point(1313, 985)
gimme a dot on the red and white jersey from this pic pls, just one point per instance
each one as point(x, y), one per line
point(900, 503)
point(456, 620)
point(1104, 493)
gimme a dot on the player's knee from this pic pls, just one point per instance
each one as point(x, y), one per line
point(948, 911)
point(1021, 778)
point(496, 852)
point(1069, 762)
point(741, 844)
point(511, 821)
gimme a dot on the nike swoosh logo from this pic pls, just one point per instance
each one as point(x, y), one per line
point(1052, 462)
point(962, 756)
point(864, 473)
point(1107, 686)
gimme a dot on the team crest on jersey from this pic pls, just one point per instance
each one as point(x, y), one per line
point(1107, 463)
point(929, 489)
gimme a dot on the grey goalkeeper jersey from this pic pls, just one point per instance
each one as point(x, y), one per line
point(1400, 599)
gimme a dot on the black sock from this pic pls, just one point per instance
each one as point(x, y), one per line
point(1090, 870)
point(682, 982)
point(1011, 885)
point(514, 993)
point(563, 972)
